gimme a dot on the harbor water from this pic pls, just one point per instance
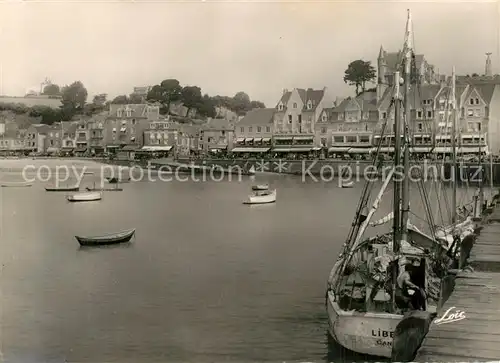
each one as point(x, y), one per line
point(206, 279)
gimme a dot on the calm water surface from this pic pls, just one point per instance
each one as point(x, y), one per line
point(206, 278)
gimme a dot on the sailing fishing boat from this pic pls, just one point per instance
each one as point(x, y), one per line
point(362, 304)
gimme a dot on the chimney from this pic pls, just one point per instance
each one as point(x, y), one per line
point(285, 90)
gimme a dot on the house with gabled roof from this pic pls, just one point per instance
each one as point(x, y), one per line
point(35, 137)
point(296, 114)
point(254, 132)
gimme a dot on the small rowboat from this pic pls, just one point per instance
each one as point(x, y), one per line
point(62, 189)
point(85, 197)
point(261, 197)
point(347, 184)
point(16, 184)
point(108, 239)
point(115, 180)
point(260, 187)
point(104, 189)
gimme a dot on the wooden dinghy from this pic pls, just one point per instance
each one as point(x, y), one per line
point(108, 239)
point(62, 189)
point(16, 184)
point(85, 197)
point(347, 184)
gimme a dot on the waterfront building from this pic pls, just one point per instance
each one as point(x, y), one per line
point(54, 138)
point(125, 125)
point(254, 132)
point(187, 140)
point(35, 138)
point(349, 127)
point(297, 113)
point(82, 137)
point(96, 130)
point(160, 137)
point(68, 137)
point(12, 141)
point(216, 136)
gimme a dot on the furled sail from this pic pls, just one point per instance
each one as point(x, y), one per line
point(383, 220)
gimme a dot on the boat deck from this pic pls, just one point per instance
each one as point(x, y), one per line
point(477, 294)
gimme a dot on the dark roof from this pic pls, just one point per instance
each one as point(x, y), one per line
point(217, 124)
point(258, 116)
point(315, 96)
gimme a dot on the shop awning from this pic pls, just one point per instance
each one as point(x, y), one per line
point(338, 149)
point(130, 148)
point(316, 148)
point(443, 150)
point(123, 129)
point(52, 149)
point(113, 146)
point(67, 148)
point(156, 148)
point(471, 150)
point(386, 149)
point(80, 149)
point(250, 149)
point(420, 149)
point(257, 139)
point(359, 150)
point(303, 138)
point(443, 137)
point(283, 138)
point(240, 139)
point(249, 139)
point(218, 148)
point(266, 139)
point(292, 150)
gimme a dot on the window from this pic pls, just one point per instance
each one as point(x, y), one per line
point(351, 139)
point(133, 121)
point(323, 141)
point(250, 129)
point(470, 112)
point(365, 115)
point(294, 105)
point(384, 115)
point(323, 117)
point(259, 129)
point(419, 114)
point(323, 130)
point(338, 139)
point(364, 139)
point(119, 113)
point(429, 114)
point(341, 116)
point(268, 128)
point(223, 133)
point(280, 107)
point(242, 129)
point(477, 112)
point(309, 105)
point(477, 101)
point(478, 125)
point(419, 126)
point(300, 119)
point(289, 119)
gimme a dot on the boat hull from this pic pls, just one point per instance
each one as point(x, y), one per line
point(73, 189)
point(85, 197)
point(104, 189)
point(260, 187)
point(16, 185)
point(118, 238)
point(348, 185)
point(116, 180)
point(261, 199)
point(364, 333)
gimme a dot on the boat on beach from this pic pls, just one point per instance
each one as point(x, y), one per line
point(260, 187)
point(261, 197)
point(16, 184)
point(108, 239)
point(85, 197)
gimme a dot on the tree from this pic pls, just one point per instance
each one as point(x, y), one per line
point(168, 91)
point(48, 115)
point(257, 104)
point(51, 90)
point(73, 100)
point(100, 99)
point(207, 107)
point(475, 75)
point(358, 73)
point(135, 99)
point(121, 100)
point(191, 97)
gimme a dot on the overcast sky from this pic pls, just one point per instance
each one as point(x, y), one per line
point(226, 47)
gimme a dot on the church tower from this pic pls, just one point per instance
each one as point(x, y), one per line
point(487, 69)
point(382, 74)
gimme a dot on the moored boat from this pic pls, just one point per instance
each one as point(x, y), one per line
point(347, 184)
point(262, 197)
point(62, 189)
point(85, 197)
point(115, 180)
point(16, 184)
point(260, 187)
point(104, 189)
point(108, 239)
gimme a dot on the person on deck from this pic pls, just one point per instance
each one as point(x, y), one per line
point(415, 301)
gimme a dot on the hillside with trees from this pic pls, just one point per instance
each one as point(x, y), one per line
point(73, 99)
